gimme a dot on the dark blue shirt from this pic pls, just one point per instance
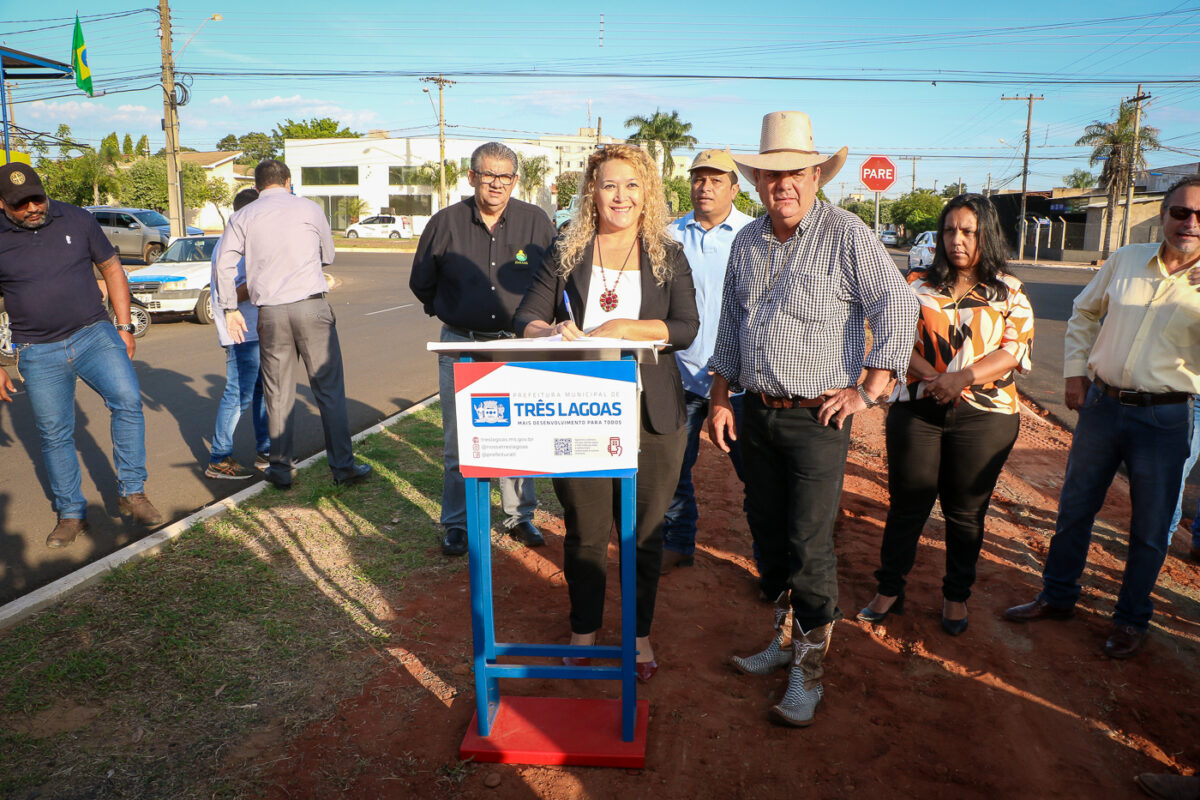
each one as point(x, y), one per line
point(47, 277)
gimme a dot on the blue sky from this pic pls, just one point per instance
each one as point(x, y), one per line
point(1062, 51)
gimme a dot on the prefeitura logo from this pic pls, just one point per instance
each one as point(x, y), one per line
point(490, 411)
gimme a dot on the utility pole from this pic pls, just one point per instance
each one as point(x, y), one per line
point(442, 83)
point(988, 193)
point(914, 160)
point(599, 125)
point(1024, 170)
point(170, 121)
point(1133, 160)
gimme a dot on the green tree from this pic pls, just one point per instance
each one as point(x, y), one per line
point(143, 147)
point(144, 184)
point(1079, 179)
point(315, 128)
point(112, 143)
point(427, 174)
point(255, 147)
point(679, 194)
point(954, 190)
point(568, 185)
point(533, 172)
point(747, 205)
point(96, 171)
point(865, 210)
point(220, 194)
point(917, 211)
point(665, 131)
point(127, 145)
point(1112, 144)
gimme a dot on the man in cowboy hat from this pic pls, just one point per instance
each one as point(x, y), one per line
point(801, 282)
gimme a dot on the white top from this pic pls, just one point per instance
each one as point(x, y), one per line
point(629, 296)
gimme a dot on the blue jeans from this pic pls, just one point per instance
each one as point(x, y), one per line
point(1187, 470)
point(518, 496)
point(243, 389)
point(679, 527)
point(1152, 442)
point(96, 355)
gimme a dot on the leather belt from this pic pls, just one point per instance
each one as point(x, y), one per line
point(1131, 397)
point(480, 336)
point(317, 296)
point(787, 402)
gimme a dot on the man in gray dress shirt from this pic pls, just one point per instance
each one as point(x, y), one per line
point(286, 241)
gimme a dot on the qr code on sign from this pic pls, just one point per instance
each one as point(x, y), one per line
point(562, 447)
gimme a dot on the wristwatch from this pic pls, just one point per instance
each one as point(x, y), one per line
point(866, 398)
point(124, 326)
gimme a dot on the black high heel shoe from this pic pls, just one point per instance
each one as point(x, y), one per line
point(876, 617)
point(954, 627)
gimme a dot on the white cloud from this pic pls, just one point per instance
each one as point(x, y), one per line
point(89, 112)
point(222, 101)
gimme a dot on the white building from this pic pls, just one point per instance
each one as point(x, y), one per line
point(354, 178)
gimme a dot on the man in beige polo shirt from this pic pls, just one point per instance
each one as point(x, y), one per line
point(1132, 363)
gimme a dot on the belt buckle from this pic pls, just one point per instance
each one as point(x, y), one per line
point(1129, 398)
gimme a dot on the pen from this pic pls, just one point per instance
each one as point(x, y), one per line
point(567, 303)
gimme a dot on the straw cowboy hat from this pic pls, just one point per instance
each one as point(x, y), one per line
point(786, 143)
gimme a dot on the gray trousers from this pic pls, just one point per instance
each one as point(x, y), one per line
point(306, 328)
point(518, 496)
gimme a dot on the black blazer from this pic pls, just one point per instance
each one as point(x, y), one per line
point(673, 302)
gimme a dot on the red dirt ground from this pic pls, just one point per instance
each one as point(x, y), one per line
point(1003, 711)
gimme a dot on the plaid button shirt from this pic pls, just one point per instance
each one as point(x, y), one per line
point(793, 313)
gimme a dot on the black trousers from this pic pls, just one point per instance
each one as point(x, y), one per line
point(794, 467)
point(591, 507)
point(950, 452)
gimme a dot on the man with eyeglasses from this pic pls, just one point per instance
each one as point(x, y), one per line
point(474, 262)
point(1132, 364)
point(62, 333)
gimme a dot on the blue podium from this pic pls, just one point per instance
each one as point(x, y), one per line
point(533, 408)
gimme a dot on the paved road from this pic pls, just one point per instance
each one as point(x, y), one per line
point(182, 372)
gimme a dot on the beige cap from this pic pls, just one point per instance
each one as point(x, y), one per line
point(714, 159)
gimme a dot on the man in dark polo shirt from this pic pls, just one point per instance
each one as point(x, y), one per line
point(61, 332)
point(474, 262)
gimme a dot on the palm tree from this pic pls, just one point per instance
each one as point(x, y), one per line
point(1079, 179)
point(1112, 143)
point(533, 172)
point(667, 131)
point(429, 175)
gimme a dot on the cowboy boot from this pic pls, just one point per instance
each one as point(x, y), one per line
point(804, 690)
point(778, 654)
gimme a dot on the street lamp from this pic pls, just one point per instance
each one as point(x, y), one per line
point(214, 17)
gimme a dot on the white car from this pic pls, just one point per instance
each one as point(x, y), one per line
point(383, 226)
point(178, 282)
point(923, 248)
point(889, 238)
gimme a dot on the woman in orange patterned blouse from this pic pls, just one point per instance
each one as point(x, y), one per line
point(954, 422)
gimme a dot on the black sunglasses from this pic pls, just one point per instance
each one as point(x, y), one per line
point(1183, 212)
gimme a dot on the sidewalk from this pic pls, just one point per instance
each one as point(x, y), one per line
point(315, 643)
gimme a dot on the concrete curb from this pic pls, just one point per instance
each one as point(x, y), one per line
point(26, 606)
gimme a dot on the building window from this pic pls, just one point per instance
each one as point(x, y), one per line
point(403, 176)
point(411, 205)
point(329, 176)
point(340, 210)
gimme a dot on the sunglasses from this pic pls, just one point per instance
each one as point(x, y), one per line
point(1183, 212)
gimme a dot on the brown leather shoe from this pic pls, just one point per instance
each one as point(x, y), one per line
point(66, 532)
point(1124, 641)
point(1164, 786)
point(1037, 610)
point(139, 507)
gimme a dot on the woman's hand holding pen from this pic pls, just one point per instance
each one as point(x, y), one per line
point(567, 330)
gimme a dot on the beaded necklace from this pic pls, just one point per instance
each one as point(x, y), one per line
point(608, 298)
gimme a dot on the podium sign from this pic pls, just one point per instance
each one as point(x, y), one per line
point(562, 418)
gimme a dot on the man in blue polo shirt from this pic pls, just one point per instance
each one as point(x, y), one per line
point(61, 332)
point(706, 234)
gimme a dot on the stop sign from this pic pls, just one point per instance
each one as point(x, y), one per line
point(878, 173)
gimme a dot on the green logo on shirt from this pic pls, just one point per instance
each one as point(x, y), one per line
point(521, 257)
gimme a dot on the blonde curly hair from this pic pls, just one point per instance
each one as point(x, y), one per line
point(652, 224)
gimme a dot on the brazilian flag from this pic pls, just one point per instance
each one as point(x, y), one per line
point(83, 75)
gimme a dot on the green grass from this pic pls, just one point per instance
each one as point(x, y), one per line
point(265, 613)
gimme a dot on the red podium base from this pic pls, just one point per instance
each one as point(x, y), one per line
point(555, 730)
